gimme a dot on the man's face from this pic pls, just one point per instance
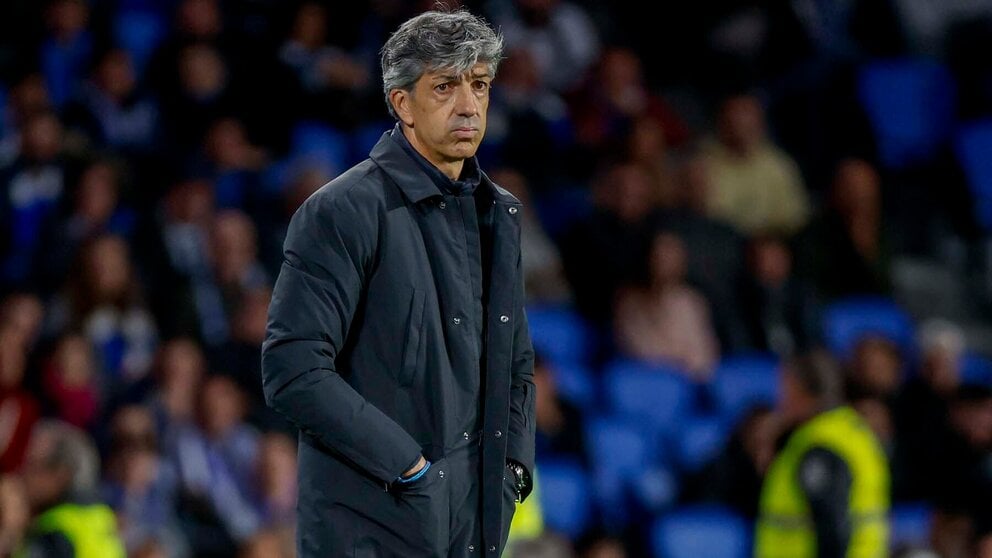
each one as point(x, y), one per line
point(446, 112)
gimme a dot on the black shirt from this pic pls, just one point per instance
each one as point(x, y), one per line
point(474, 208)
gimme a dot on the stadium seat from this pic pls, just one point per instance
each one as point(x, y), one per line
point(575, 384)
point(559, 333)
point(911, 107)
point(701, 532)
point(976, 369)
point(660, 396)
point(565, 498)
point(320, 144)
point(700, 440)
point(972, 147)
point(910, 526)
point(847, 321)
point(624, 456)
point(139, 32)
point(743, 381)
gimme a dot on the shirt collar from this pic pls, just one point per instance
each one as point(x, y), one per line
point(465, 185)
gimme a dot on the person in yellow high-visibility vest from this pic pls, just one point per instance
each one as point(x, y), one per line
point(826, 494)
point(60, 471)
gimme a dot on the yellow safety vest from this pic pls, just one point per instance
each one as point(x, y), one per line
point(91, 529)
point(785, 525)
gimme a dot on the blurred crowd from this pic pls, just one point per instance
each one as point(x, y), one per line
point(696, 186)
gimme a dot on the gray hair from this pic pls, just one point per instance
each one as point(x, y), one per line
point(72, 450)
point(437, 40)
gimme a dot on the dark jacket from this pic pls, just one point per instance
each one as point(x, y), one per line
point(369, 329)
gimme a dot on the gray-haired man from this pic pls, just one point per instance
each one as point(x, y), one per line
point(397, 339)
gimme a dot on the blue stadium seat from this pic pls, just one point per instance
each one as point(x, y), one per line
point(559, 333)
point(575, 384)
point(139, 32)
point(623, 454)
point(700, 441)
point(972, 146)
point(566, 502)
point(911, 107)
point(847, 321)
point(910, 526)
point(741, 382)
point(320, 144)
point(976, 369)
point(660, 396)
point(701, 532)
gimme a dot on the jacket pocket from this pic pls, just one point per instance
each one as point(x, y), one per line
point(414, 337)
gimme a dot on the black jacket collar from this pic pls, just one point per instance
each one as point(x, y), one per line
point(414, 181)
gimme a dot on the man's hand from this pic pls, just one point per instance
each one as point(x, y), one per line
point(416, 468)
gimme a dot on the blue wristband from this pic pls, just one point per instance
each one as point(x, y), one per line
point(419, 474)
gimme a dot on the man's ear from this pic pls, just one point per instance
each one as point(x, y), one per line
point(400, 99)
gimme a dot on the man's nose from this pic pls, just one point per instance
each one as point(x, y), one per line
point(466, 104)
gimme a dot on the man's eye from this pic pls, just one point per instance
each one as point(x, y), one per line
point(441, 87)
point(480, 85)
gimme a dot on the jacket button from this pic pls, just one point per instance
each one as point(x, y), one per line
point(504, 318)
point(440, 474)
point(492, 548)
point(442, 205)
point(456, 321)
point(512, 210)
point(465, 435)
point(499, 434)
point(471, 548)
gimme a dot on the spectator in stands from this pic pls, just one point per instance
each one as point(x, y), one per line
point(333, 82)
point(67, 48)
point(528, 124)
point(559, 423)
point(27, 97)
point(964, 479)
point(826, 493)
point(141, 486)
point(203, 95)
point(240, 358)
point(14, 513)
point(215, 458)
point(18, 407)
point(276, 480)
point(606, 249)
point(875, 369)
point(180, 369)
point(103, 300)
point(715, 251)
point(780, 309)
point(847, 249)
point(757, 187)
point(734, 478)
point(560, 36)
point(233, 165)
point(34, 187)
point(922, 406)
point(176, 250)
point(646, 145)
point(60, 473)
point(71, 384)
point(111, 110)
point(23, 314)
point(616, 99)
point(544, 276)
point(667, 320)
point(96, 210)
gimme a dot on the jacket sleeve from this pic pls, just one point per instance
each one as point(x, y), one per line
point(328, 254)
point(521, 440)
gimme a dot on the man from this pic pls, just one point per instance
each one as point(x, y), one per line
point(826, 493)
point(397, 339)
point(60, 471)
